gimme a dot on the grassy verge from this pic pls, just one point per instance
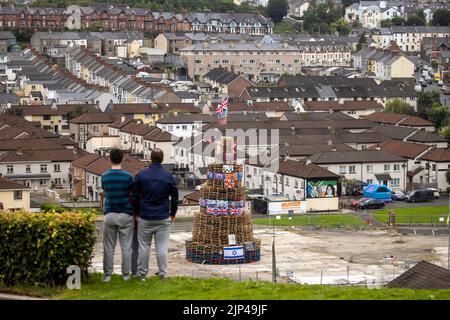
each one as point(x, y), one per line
point(317, 220)
point(415, 215)
point(223, 289)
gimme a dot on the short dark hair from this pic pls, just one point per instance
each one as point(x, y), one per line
point(116, 156)
point(157, 155)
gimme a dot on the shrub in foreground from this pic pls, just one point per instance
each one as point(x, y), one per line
point(37, 248)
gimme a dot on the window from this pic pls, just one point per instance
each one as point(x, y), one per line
point(287, 182)
point(184, 127)
point(43, 168)
point(9, 168)
point(57, 168)
point(57, 181)
point(369, 181)
point(43, 182)
point(95, 128)
point(18, 195)
point(170, 128)
point(198, 61)
point(387, 167)
point(342, 170)
point(369, 168)
point(396, 167)
point(225, 61)
point(47, 117)
point(395, 182)
point(28, 168)
point(434, 167)
point(352, 169)
point(296, 184)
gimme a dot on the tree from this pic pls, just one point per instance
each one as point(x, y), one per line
point(386, 23)
point(441, 17)
point(398, 21)
point(438, 114)
point(96, 26)
point(341, 27)
point(399, 106)
point(415, 21)
point(277, 9)
point(445, 132)
point(425, 101)
point(362, 40)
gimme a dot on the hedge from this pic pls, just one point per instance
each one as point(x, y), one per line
point(37, 248)
point(46, 207)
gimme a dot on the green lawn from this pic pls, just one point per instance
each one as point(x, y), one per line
point(414, 215)
point(318, 220)
point(224, 289)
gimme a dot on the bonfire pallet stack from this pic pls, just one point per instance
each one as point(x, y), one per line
point(222, 214)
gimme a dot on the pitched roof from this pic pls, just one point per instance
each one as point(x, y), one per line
point(423, 275)
point(385, 117)
point(426, 137)
point(14, 144)
point(160, 135)
point(346, 105)
point(394, 132)
point(59, 110)
point(302, 170)
point(193, 196)
point(6, 184)
point(42, 155)
point(310, 149)
point(261, 106)
point(360, 156)
point(291, 116)
point(403, 149)
point(101, 165)
point(437, 155)
point(96, 117)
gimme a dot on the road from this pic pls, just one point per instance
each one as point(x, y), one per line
point(445, 99)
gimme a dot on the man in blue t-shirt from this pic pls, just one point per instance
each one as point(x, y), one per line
point(117, 184)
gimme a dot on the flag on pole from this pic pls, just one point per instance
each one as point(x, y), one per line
point(222, 111)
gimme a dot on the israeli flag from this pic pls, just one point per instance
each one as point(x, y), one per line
point(236, 252)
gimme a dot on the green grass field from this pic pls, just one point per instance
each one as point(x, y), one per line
point(414, 215)
point(224, 289)
point(317, 220)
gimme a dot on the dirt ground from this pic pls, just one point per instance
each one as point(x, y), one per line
point(311, 254)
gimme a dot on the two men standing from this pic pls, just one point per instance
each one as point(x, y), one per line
point(148, 196)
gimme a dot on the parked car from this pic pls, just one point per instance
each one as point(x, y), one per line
point(418, 88)
point(429, 80)
point(198, 188)
point(440, 83)
point(435, 192)
point(371, 204)
point(354, 203)
point(420, 196)
point(398, 195)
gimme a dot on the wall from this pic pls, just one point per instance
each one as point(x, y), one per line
point(95, 143)
point(322, 204)
point(7, 198)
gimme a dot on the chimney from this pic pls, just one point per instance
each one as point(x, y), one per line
point(285, 45)
point(378, 148)
point(258, 44)
point(205, 44)
point(19, 151)
point(308, 161)
point(333, 149)
point(8, 105)
point(122, 119)
point(54, 106)
point(329, 142)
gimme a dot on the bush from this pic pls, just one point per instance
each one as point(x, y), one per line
point(37, 249)
point(48, 207)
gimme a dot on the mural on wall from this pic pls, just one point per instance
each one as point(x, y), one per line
point(321, 189)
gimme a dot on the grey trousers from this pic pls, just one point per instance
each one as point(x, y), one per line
point(117, 224)
point(147, 229)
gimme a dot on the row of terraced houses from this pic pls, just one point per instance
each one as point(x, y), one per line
point(116, 18)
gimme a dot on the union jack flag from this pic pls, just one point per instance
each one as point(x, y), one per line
point(211, 210)
point(234, 211)
point(223, 106)
point(222, 211)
